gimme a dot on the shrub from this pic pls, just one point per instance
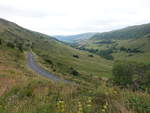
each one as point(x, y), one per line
point(106, 54)
point(48, 61)
point(103, 53)
point(20, 47)
point(90, 56)
point(131, 50)
point(133, 74)
point(10, 44)
point(26, 92)
point(122, 73)
point(76, 56)
point(73, 71)
point(0, 41)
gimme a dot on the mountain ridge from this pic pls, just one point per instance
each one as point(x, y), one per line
point(75, 38)
point(136, 31)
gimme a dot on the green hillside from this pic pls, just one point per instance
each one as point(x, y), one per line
point(131, 49)
point(24, 91)
point(131, 43)
point(126, 33)
point(48, 48)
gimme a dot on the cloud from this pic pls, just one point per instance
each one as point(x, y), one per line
point(56, 17)
point(14, 11)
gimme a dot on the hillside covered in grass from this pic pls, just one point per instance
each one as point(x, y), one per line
point(52, 54)
point(99, 86)
point(125, 33)
point(23, 91)
point(131, 43)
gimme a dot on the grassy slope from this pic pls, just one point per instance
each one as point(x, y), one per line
point(130, 37)
point(23, 91)
point(131, 32)
point(60, 54)
point(140, 43)
point(62, 57)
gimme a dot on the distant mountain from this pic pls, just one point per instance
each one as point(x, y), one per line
point(125, 33)
point(74, 38)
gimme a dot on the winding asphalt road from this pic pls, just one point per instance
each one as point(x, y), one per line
point(32, 64)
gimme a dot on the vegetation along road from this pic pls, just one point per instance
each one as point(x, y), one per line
point(32, 64)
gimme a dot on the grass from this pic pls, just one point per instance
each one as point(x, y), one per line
point(138, 102)
point(23, 91)
point(62, 56)
point(140, 43)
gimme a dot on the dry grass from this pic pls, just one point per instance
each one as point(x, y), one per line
point(23, 91)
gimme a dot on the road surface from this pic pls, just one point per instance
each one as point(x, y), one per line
point(33, 65)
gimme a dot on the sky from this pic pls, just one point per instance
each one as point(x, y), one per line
point(67, 17)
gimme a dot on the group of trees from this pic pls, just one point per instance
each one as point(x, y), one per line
point(89, 50)
point(19, 44)
point(131, 74)
point(104, 42)
point(131, 50)
point(106, 54)
point(103, 53)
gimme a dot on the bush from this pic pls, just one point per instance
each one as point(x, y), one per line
point(0, 41)
point(103, 53)
point(106, 54)
point(131, 50)
point(122, 73)
point(48, 61)
point(76, 56)
point(73, 71)
point(20, 47)
point(133, 74)
point(10, 44)
point(90, 56)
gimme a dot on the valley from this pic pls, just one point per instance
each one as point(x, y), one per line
point(109, 72)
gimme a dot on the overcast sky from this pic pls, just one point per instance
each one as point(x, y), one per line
point(65, 17)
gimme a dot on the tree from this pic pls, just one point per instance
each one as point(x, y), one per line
point(0, 41)
point(10, 44)
point(73, 71)
point(76, 56)
point(133, 74)
point(106, 54)
point(122, 73)
point(20, 47)
point(147, 79)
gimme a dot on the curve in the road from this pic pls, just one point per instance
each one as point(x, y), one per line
point(32, 64)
